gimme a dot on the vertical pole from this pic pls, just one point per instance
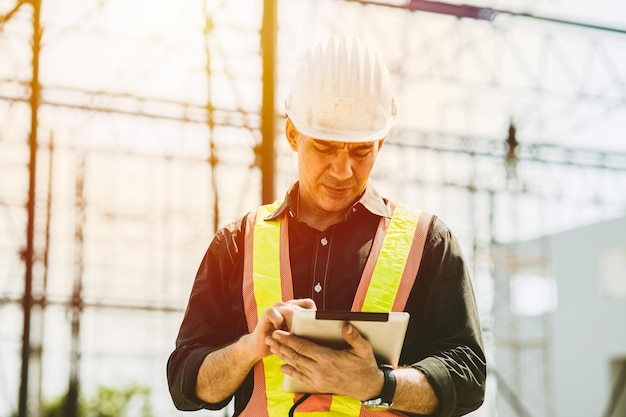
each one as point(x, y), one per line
point(27, 300)
point(268, 111)
point(208, 28)
point(40, 297)
point(76, 304)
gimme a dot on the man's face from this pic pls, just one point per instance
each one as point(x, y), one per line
point(332, 174)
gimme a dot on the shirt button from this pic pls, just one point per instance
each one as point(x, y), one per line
point(324, 241)
point(318, 287)
point(354, 209)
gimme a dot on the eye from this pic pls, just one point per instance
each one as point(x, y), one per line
point(323, 147)
point(361, 152)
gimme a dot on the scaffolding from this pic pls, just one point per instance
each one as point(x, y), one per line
point(130, 170)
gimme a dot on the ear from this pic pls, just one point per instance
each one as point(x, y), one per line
point(292, 135)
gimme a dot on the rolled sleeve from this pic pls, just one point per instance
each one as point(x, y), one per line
point(182, 372)
point(207, 326)
point(441, 382)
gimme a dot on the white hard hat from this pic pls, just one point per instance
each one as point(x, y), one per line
point(342, 93)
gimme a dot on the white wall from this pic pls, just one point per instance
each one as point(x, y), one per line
point(589, 325)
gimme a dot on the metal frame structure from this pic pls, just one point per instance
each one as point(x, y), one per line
point(599, 84)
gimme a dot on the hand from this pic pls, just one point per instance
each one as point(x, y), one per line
point(352, 371)
point(277, 317)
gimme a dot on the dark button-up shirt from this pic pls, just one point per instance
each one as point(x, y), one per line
point(443, 337)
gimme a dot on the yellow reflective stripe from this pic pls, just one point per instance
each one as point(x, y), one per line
point(266, 259)
point(267, 291)
point(345, 405)
point(341, 406)
point(279, 402)
point(389, 267)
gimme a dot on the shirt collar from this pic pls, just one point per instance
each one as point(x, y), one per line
point(369, 200)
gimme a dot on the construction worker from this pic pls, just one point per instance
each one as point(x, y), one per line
point(333, 243)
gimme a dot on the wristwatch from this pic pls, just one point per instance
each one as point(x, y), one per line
point(385, 399)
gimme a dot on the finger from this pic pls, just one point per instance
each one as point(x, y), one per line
point(299, 363)
point(277, 342)
point(287, 309)
point(294, 373)
point(298, 345)
point(275, 317)
point(360, 346)
point(306, 303)
point(292, 349)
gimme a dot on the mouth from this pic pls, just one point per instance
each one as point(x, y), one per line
point(337, 192)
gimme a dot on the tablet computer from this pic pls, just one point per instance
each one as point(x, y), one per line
point(385, 331)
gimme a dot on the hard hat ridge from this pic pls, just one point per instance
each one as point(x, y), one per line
point(342, 92)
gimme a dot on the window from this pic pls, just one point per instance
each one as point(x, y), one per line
point(613, 273)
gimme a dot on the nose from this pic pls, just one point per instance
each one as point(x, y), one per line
point(341, 165)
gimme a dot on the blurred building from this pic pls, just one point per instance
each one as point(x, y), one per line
point(559, 308)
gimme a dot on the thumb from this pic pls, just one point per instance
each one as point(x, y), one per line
point(359, 344)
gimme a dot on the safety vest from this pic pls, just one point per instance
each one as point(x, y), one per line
point(388, 276)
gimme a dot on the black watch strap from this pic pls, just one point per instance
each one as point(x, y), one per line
point(389, 385)
point(385, 399)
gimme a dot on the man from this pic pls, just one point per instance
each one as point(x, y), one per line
point(333, 244)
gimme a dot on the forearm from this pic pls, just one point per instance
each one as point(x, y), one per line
point(458, 378)
point(413, 392)
point(223, 371)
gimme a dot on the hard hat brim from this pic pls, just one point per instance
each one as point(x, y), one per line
point(335, 135)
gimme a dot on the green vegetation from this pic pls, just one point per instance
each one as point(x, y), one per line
point(133, 400)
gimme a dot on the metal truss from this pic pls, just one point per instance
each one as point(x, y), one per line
point(553, 81)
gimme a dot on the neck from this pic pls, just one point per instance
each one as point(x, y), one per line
point(314, 217)
point(319, 220)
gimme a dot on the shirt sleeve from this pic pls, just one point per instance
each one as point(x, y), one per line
point(208, 326)
point(448, 332)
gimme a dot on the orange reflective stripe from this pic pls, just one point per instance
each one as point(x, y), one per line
point(318, 403)
point(248, 284)
point(370, 263)
point(258, 399)
point(413, 262)
point(285, 263)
